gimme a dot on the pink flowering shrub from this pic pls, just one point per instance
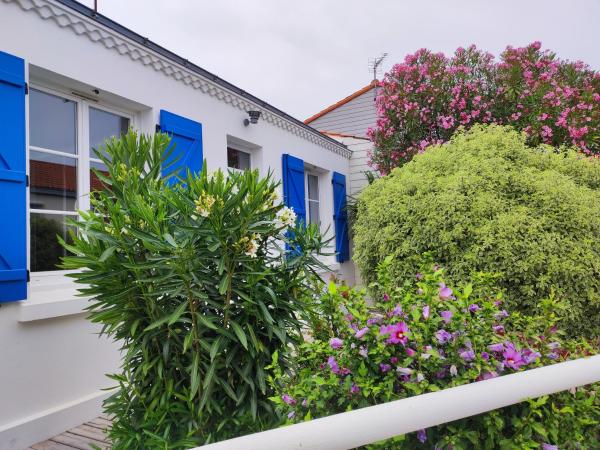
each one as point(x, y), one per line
point(422, 101)
point(426, 336)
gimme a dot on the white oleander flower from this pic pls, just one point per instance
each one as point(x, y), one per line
point(287, 217)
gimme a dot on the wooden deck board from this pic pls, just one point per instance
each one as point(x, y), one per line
point(79, 438)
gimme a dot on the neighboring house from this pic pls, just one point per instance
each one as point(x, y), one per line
point(69, 79)
point(348, 121)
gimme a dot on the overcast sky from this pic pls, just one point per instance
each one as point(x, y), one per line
point(304, 55)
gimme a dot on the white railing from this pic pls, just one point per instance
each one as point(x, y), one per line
point(375, 423)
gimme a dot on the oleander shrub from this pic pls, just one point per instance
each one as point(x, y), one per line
point(487, 202)
point(421, 336)
point(194, 282)
point(422, 101)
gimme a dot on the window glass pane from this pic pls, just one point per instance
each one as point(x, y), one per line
point(103, 126)
point(313, 212)
point(313, 187)
point(52, 122)
point(45, 250)
point(95, 183)
point(53, 181)
point(237, 159)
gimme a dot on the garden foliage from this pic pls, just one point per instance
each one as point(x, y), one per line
point(488, 202)
point(423, 100)
point(192, 280)
point(423, 336)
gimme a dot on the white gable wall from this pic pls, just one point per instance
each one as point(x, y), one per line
point(352, 118)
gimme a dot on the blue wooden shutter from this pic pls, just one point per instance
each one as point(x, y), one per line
point(293, 186)
point(186, 135)
point(340, 217)
point(13, 180)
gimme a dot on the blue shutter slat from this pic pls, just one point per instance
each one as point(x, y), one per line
point(340, 217)
point(13, 189)
point(293, 186)
point(186, 135)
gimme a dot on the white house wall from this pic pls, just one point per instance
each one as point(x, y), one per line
point(53, 363)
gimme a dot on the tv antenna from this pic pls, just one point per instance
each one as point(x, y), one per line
point(374, 64)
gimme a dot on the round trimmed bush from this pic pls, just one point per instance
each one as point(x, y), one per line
point(486, 202)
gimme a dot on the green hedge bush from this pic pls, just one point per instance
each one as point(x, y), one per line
point(193, 281)
point(487, 202)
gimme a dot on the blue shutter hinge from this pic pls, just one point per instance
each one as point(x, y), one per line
point(157, 128)
point(26, 88)
point(26, 180)
point(28, 277)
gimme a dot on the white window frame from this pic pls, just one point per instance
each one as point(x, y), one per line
point(311, 173)
point(81, 156)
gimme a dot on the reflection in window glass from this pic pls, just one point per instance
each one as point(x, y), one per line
point(45, 250)
point(236, 159)
point(95, 183)
point(53, 181)
point(313, 198)
point(103, 126)
point(52, 122)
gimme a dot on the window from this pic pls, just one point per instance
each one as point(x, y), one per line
point(237, 159)
point(60, 162)
point(312, 198)
point(103, 125)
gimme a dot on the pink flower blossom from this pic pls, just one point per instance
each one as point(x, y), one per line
point(397, 333)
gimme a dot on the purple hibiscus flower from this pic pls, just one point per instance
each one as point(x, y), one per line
point(490, 375)
point(443, 336)
point(373, 320)
point(287, 399)
point(499, 347)
point(336, 343)
point(354, 389)
point(386, 298)
point(397, 311)
point(466, 354)
point(385, 367)
point(549, 447)
point(512, 357)
point(333, 365)
point(410, 352)
point(444, 292)
point(485, 356)
point(361, 333)
point(499, 329)
point(474, 307)
point(447, 316)
point(426, 312)
point(362, 351)
point(421, 436)
point(530, 356)
point(397, 333)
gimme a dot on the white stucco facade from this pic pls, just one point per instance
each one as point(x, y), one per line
point(53, 363)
